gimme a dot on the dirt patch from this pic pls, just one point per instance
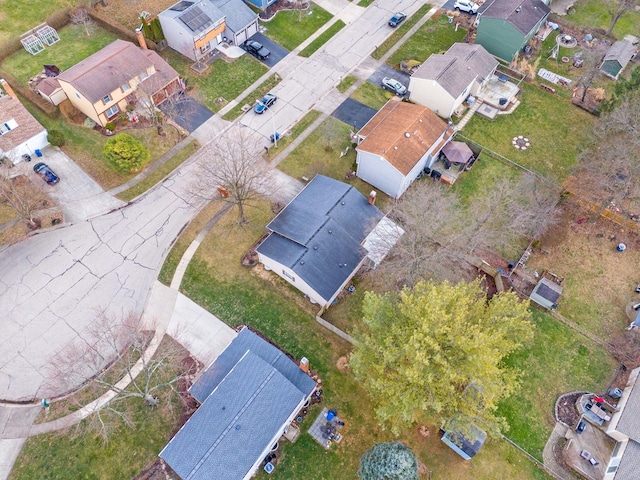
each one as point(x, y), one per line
point(127, 12)
point(274, 8)
point(342, 364)
point(566, 411)
point(599, 280)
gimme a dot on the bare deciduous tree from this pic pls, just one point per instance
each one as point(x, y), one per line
point(609, 169)
point(234, 166)
point(113, 355)
point(440, 234)
point(23, 197)
point(617, 9)
point(80, 17)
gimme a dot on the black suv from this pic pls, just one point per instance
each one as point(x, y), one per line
point(256, 49)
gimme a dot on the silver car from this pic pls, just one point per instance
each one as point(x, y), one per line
point(394, 86)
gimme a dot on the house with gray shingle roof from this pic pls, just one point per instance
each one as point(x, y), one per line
point(624, 428)
point(323, 236)
point(249, 396)
point(20, 132)
point(196, 28)
point(397, 144)
point(445, 80)
point(103, 84)
point(506, 26)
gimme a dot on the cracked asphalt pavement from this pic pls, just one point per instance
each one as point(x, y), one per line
point(53, 282)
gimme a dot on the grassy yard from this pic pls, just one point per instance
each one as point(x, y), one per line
point(593, 13)
point(346, 83)
point(290, 28)
point(372, 95)
point(400, 32)
point(221, 82)
point(251, 99)
point(173, 163)
point(86, 147)
point(555, 128)
point(435, 36)
point(296, 130)
point(74, 46)
point(216, 280)
point(60, 456)
point(558, 361)
point(323, 38)
point(18, 17)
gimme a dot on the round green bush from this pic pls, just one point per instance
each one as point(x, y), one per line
point(388, 461)
point(56, 138)
point(126, 153)
point(110, 126)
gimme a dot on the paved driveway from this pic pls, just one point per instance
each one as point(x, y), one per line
point(354, 113)
point(186, 112)
point(387, 71)
point(278, 52)
point(77, 194)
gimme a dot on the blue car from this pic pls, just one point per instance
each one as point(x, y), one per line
point(265, 102)
point(397, 19)
point(46, 173)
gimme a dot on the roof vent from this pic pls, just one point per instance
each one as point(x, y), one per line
point(238, 427)
point(407, 134)
point(330, 232)
point(518, 10)
point(301, 262)
point(340, 265)
point(341, 203)
point(315, 247)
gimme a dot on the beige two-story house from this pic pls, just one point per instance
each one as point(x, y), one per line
point(102, 85)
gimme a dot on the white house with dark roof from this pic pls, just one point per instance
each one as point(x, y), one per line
point(196, 28)
point(624, 428)
point(397, 144)
point(445, 80)
point(249, 396)
point(323, 236)
point(20, 132)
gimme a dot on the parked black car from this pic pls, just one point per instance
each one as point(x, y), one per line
point(256, 49)
point(397, 19)
point(46, 173)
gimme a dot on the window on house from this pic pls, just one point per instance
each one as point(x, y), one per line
point(288, 275)
point(106, 99)
point(144, 75)
point(112, 111)
point(78, 95)
point(8, 126)
point(205, 48)
point(125, 87)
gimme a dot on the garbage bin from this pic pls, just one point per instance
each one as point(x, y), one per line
point(38, 153)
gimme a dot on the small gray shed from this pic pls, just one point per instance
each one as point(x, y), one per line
point(546, 293)
point(617, 58)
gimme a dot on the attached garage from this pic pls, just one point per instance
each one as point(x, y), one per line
point(241, 22)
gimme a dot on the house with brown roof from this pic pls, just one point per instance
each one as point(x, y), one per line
point(397, 144)
point(103, 84)
point(20, 132)
point(445, 80)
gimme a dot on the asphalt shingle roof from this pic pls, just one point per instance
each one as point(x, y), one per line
point(524, 15)
point(235, 424)
point(28, 126)
point(245, 341)
point(320, 233)
point(629, 422)
point(630, 463)
point(237, 14)
point(455, 69)
point(402, 133)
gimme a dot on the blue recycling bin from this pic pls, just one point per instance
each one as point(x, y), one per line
point(38, 153)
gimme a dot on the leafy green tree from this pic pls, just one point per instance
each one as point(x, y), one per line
point(126, 153)
point(388, 461)
point(437, 351)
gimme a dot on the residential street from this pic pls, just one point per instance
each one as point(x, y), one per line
point(54, 281)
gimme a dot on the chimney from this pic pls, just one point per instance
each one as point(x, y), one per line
point(372, 197)
point(304, 364)
point(7, 88)
point(140, 37)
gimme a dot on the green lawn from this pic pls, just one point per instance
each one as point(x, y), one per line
point(558, 361)
point(372, 95)
point(400, 32)
point(296, 130)
point(155, 177)
point(346, 83)
point(435, 36)
point(17, 17)
point(236, 295)
point(221, 82)
point(594, 14)
point(74, 46)
point(323, 38)
point(555, 128)
point(290, 28)
point(250, 99)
